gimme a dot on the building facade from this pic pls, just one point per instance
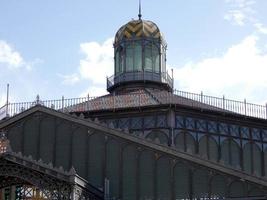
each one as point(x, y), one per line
point(144, 140)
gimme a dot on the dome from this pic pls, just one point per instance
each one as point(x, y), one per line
point(139, 58)
point(136, 29)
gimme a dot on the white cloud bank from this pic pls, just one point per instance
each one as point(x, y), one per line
point(236, 16)
point(94, 67)
point(261, 28)
point(98, 61)
point(70, 79)
point(10, 57)
point(240, 11)
point(240, 72)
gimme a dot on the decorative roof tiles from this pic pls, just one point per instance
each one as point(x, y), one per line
point(137, 29)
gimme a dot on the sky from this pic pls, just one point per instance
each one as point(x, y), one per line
point(64, 47)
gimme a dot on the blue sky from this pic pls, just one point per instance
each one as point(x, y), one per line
point(55, 48)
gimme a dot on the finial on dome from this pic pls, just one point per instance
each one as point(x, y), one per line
point(140, 10)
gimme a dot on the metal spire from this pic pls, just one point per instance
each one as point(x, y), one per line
point(140, 10)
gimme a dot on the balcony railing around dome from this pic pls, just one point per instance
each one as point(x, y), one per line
point(141, 99)
point(139, 76)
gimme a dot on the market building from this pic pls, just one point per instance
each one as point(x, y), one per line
point(144, 140)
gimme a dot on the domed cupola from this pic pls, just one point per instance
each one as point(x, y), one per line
point(140, 58)
point(138, 29)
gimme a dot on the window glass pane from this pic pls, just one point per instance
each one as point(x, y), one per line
point(163, 62)
point(148, 58)
point(155, 57)
point(129, 58)
point(117, 64)
point(157, 67)
point(121, 67)
point(138, 57)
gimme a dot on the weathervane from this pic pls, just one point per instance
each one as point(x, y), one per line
point(140, 10)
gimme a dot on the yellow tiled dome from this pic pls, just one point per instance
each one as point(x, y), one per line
point(136, 29)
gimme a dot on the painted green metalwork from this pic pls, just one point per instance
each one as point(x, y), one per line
point(135, 170)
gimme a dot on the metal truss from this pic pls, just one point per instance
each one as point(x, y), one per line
point(37, 180)
point(50, 187)
point(32, 184)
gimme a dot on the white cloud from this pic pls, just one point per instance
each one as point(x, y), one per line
point(236, 16)
point(70, 79)
point(240, 11)
point(9, 56)
point(98, 61)
point(261, 28)
point(239, 72)
point(95, 66)
point(94, 91)
point(12, 59)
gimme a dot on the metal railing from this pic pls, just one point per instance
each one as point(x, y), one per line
point(139, 99)
point(62, 104)
point(139, 76)
point(3, 112)
point(238, 107)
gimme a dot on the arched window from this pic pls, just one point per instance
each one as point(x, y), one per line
point(208, 148)
point(257, 162)
point(159, 136)
point(230, 153)
point(237, 189)
point(95, 163)
point(112, 168)
point(129, 179)
point(180, 141)
point(247, 162)
point(181, 181)
point(184, 141)
point(146, 176)
point(200, 184)
point(213, 149)
point(190, 143)
point(203, 146)
point(163, 172)
point(218, 186)
point(252, 158)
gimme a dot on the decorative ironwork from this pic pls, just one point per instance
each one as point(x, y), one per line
point(196, 125)
point(139, 76)
point(144, 98)
point(30, 192)
point(37, 179)
point(55, 188)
